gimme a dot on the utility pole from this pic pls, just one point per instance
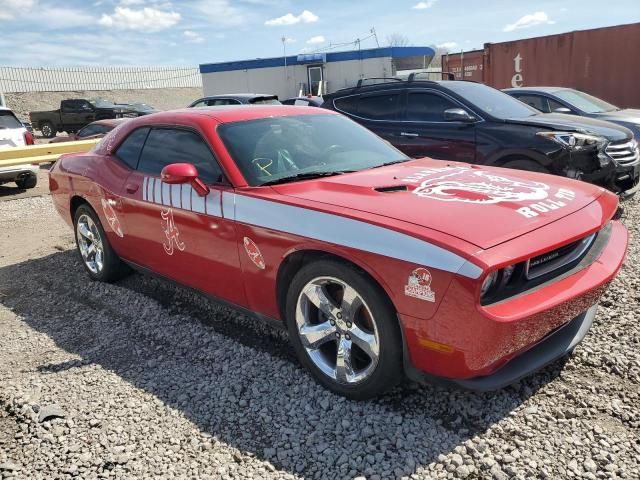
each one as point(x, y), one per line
point(286, 73)
point(375, 35)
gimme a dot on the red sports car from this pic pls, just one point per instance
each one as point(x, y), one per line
point(377, 264)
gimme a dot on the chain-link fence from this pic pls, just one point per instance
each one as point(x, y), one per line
point(58, 79)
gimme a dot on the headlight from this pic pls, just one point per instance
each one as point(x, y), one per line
point(495, 281)
point(488, 283)
point(575, 141)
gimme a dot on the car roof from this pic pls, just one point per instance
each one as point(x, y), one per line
point(230, 113)
point(536, 89)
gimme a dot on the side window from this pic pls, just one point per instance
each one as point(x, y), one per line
point(553, 105)
point(224, 101)
point(201, 103)
point(536, 101)
point(427, 107)
point(129, 151)
point(165, 146)
point(84, 106)
point(93, 130)
point(380, 107)
point(347, 104)
point(304, 103)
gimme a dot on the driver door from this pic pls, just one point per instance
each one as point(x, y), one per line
point(174, 231)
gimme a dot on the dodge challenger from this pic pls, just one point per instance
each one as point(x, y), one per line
point(379, 266)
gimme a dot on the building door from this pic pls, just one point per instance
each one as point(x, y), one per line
point(315, 78)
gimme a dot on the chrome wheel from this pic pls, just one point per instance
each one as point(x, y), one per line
point(337, 330)
point(90, 243)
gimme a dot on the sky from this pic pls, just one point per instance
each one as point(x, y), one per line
point(192, 32)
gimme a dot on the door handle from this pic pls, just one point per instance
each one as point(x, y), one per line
point(132, 187)
point(406, 134)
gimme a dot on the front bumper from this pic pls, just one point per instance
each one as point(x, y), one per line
point(476, 346)
point(556, 345)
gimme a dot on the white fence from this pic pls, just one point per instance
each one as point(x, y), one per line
point(60, 79)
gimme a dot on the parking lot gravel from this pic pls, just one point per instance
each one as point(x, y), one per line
point(143, 379)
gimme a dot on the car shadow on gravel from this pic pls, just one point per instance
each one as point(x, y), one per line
point(237, 379)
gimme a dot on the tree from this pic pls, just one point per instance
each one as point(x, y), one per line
point(397, 40)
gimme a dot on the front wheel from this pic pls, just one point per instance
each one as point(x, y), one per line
point(98, 258)
point(344, 330)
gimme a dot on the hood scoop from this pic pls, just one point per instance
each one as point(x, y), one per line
point(391, 189)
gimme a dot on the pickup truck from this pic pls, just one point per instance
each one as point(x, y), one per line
point(72, 115)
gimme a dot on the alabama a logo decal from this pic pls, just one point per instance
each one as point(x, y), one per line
point(171, 232)
point(419, 285)
point(112, 218)
point(254, 253)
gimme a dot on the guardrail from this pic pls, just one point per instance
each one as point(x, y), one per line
point(46, 153)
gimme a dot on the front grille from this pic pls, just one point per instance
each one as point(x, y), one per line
point(550, 261)
point(624, 153)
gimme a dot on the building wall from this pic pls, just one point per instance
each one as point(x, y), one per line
point(273, 80)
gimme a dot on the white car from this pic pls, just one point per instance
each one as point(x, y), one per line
point(14, 134)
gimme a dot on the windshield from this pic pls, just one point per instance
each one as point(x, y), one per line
point(492, 101)
point(269, 149)
point(9, 120)
point(265, 101)
point(143, 107)
point(101, 103)
point(584, 101)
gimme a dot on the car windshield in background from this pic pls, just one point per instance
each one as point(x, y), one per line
point(585, 102)
point(494, 102)
point(271, 149)
point(9, 120)
point(101, 103)
point(265, 101)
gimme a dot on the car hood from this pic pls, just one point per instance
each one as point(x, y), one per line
point(574, 123)
point(630, 115)
point(484, 206)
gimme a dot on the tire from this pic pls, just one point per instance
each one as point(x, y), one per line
point(25, 183)
point(369, 337)
point(101, 263)
point(526, 164)
point(48, 130)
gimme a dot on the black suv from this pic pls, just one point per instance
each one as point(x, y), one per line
point(471, 122)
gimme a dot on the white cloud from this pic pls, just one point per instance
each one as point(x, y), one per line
point(291, 19)
point(145, 20)
point(221, 12)
point(531, 20)
point(289, 40)
point(447, 45)
point(9, 9)
point(126, 3)
point(56, 17)
point(424, 5)
point(316, 40)
point(192, 37)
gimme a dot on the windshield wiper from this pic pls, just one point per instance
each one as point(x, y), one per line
point(304, 176)
point(393, 162)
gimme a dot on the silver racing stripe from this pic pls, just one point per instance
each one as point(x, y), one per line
point(347, 232)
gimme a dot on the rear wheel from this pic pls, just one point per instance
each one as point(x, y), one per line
point(344, 330)
point(526, 164)
point(97, 256)
point(47, 129)
point(26, 182)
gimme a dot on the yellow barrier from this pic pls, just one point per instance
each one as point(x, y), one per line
point(49, 152)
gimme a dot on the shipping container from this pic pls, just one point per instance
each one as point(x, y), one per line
point(602, 62)
point(471, 63)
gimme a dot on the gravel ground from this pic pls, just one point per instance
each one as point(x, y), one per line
point(146, 380)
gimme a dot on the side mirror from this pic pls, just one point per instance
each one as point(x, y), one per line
point(458, 115)
point(562, 110)
point(182, 173)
